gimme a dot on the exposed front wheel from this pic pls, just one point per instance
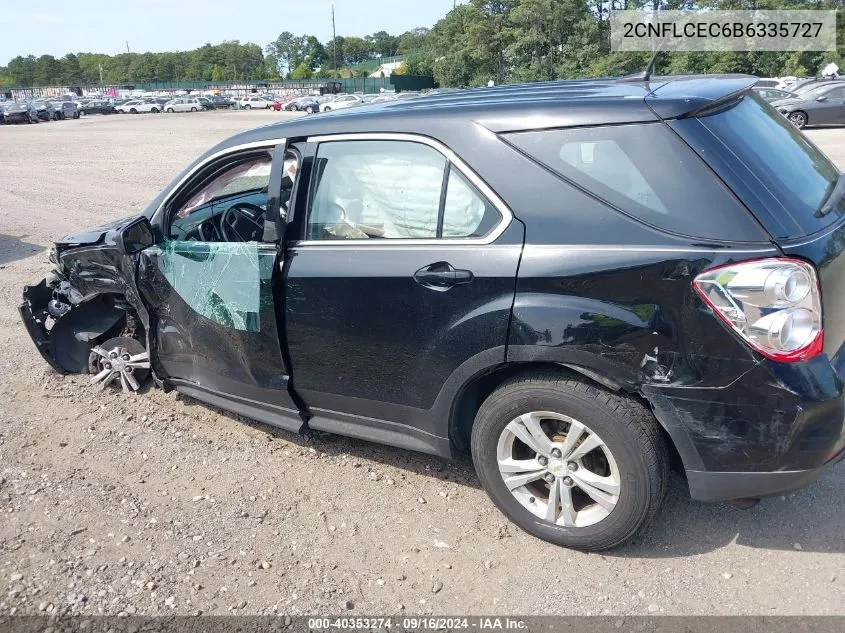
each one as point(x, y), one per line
point(170, 110)
point(193, 109)
point(133, 111)
point(154, 110)
point(247, 107)
point(798, 119)
point(309, 110)
point(121, 361)
point(570, 463)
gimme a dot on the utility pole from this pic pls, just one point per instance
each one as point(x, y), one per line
point(334, 41)
point(127, 46)
point(101, 74)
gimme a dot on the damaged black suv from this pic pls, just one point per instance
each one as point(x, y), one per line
point(579, 282)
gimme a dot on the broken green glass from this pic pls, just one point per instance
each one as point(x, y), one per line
point(221, 281)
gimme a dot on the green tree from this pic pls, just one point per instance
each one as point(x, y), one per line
point(303, 71)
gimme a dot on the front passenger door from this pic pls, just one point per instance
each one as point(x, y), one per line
point(210, 287)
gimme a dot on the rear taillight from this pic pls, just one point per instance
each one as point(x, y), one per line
point(773, 304)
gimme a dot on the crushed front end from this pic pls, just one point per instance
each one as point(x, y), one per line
point(86, 315)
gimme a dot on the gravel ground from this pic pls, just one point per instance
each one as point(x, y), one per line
point(154, 503)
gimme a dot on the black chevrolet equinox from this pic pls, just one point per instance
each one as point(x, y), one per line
point(579, 282)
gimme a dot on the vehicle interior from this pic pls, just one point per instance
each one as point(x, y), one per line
point(227, 203)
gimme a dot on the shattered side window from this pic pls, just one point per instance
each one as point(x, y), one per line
point(222, 281)
point(253, 175)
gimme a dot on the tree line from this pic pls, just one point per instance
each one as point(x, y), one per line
point(481, 40)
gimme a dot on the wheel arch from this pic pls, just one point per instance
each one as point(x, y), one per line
point(478, 388)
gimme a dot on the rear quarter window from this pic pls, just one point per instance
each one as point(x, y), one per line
point(646, 172)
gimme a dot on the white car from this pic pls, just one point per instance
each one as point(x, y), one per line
point(183, 104)
point(138, 105)
point(343, 101)
point(247, 103)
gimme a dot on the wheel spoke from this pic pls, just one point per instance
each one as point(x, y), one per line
point(100, 351)
point(510, 465)
point(567, 511)
point(517, 481)
point(132, 382)
point(101, 376)
point(610, 484)
point(592, 442)
point(576, 430)
point(527, 429)
point(602, 498)
point(554, 495)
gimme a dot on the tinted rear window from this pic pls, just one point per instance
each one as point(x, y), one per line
point(647, 172)
point(776, 170)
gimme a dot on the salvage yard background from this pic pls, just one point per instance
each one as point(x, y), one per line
point(155, 503)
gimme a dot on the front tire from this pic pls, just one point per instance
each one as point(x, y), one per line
point(247, 107)
point(193, 109)
point(154, 110)
point(170, 110)
point(798, 119)
point(599, 457)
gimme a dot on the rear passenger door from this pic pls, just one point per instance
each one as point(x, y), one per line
point(401, 274)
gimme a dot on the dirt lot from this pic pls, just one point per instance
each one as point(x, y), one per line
point(158, 504)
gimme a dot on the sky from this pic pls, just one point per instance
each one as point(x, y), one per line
point(58, 27)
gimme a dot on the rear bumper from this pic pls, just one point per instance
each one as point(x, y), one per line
point(774, 429)
point(725, 486)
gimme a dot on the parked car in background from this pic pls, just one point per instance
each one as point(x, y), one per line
point(183, 104)
point(804, 85)
point(341, 102)
point(772, 94)
point(97, 107)
point(21, 112)
point(45, 109)
point(66, 110)
point(220, 102)
point(767, 83)
point(824, 104)
point(248, 103)
point(138, 106)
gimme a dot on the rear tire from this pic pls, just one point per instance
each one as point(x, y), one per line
point(154, 110)
point(630, 457)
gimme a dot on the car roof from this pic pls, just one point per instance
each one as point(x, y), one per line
point(518, 107)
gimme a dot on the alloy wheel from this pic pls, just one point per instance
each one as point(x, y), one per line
point(558, 469)
point(123, 360)
point(798, 119)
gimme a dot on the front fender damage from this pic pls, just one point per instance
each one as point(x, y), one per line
point(89, 297)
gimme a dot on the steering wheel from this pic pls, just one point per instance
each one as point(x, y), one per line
point(240, 220)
